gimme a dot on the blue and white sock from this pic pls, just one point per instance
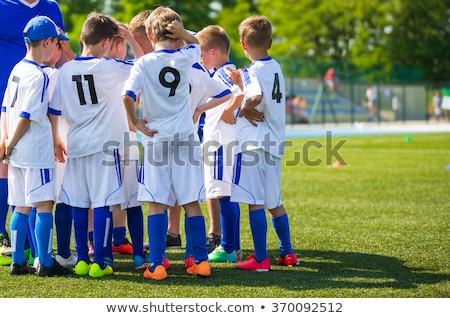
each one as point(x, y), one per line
point(30, 241)
point(44, 237)
point(102, 224)
point(18, 227)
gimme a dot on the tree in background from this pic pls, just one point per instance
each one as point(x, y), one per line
point(376, 40)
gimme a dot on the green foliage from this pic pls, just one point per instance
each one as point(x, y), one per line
point(378, 40)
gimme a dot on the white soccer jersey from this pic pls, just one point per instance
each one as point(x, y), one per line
point(88, 89)
point(203, 87)
point(264, 77)
point(213, 115)
point(27, 96)
point(162, 77)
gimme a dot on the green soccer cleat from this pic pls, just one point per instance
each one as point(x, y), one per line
point(96, 271)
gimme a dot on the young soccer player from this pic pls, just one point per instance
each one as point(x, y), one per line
point(131, 210)
point(261, 135)
point(169, 153)
point(30, 143)
point(218, 147)
point(97, 124)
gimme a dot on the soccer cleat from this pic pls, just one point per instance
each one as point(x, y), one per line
point(55, 270)
point(166, 263)
point(125, 248)
point(212, 241)
point(16, 269)
point(68, 262)
point(159, 273)
point(289, 260)
point(173, 241)
point(220, 255)
point(90, 249)
point(5, 261)
point(203, 269)
point(251, 264)
point(96, 271)
point(5, 244)
point(140, 263)
point(189, 262)
point(109, 261)
point(82, 268)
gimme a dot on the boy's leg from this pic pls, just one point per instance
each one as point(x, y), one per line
point(120, 243)
point(215, 230)
point(80, 224)
point(280, 223)
point(19, 228)
point(135, 222)
point(5, 244)
point(173, 239)
point(102, 235)
point(157, 228)
point(63, 225)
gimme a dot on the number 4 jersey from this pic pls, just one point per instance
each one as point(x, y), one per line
point(264, 77)
point(88, 91)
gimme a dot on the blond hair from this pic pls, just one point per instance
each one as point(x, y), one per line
point(157, 22)
point(214, 36)
point(137, 24)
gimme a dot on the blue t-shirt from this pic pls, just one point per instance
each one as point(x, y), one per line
point(14, 15)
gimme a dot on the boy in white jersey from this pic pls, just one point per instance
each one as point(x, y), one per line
point(131, 210)
point(30, 142)
point(218, 150)
point(261, 135)
point(170, 154)
point(97, 124)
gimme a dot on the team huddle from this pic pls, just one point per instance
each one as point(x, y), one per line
point(206, 131)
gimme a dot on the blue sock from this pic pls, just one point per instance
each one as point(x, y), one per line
point(156, 230)
point(80, 225)
point(63, 225)
point(44, 237)
point(91, 237)
point(258, 226)
point(281, 226)
point(189, 251)
point(3, 204)
point(18, 227)
point(102, 221)
point(229, 218)
point(30, 241)
point(119, 235)
point(164, 236)
point(135, 221)
point(198, 231)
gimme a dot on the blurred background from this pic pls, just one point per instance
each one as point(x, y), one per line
point(331, 51)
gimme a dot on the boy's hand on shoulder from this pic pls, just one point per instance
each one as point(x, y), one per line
point(234, 76)
point(252, 115)
point(141, 125)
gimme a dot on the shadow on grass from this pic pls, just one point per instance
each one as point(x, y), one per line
point(318, 270)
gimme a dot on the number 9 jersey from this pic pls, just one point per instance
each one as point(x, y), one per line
point(162, 78)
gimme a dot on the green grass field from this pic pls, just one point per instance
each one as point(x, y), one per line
point(377, 227)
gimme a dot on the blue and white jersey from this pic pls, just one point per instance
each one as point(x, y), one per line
point(26, 96)
point(14, 15)
point(162, 78)
point(264, 77)
point(213, 115)
point(203, 87)
point(88, 94)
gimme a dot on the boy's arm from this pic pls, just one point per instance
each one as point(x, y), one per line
point(178, 32)
point(139, 123)
point(214, 102)
point(126, 34)
point(228, 113)
point(23, 124)
point(58, 145)
point(4, 135)
point(248, 110)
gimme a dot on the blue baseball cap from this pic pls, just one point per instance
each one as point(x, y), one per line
point(41, 27)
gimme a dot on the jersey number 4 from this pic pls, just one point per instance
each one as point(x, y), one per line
point(90, 79)
point(276, 90)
